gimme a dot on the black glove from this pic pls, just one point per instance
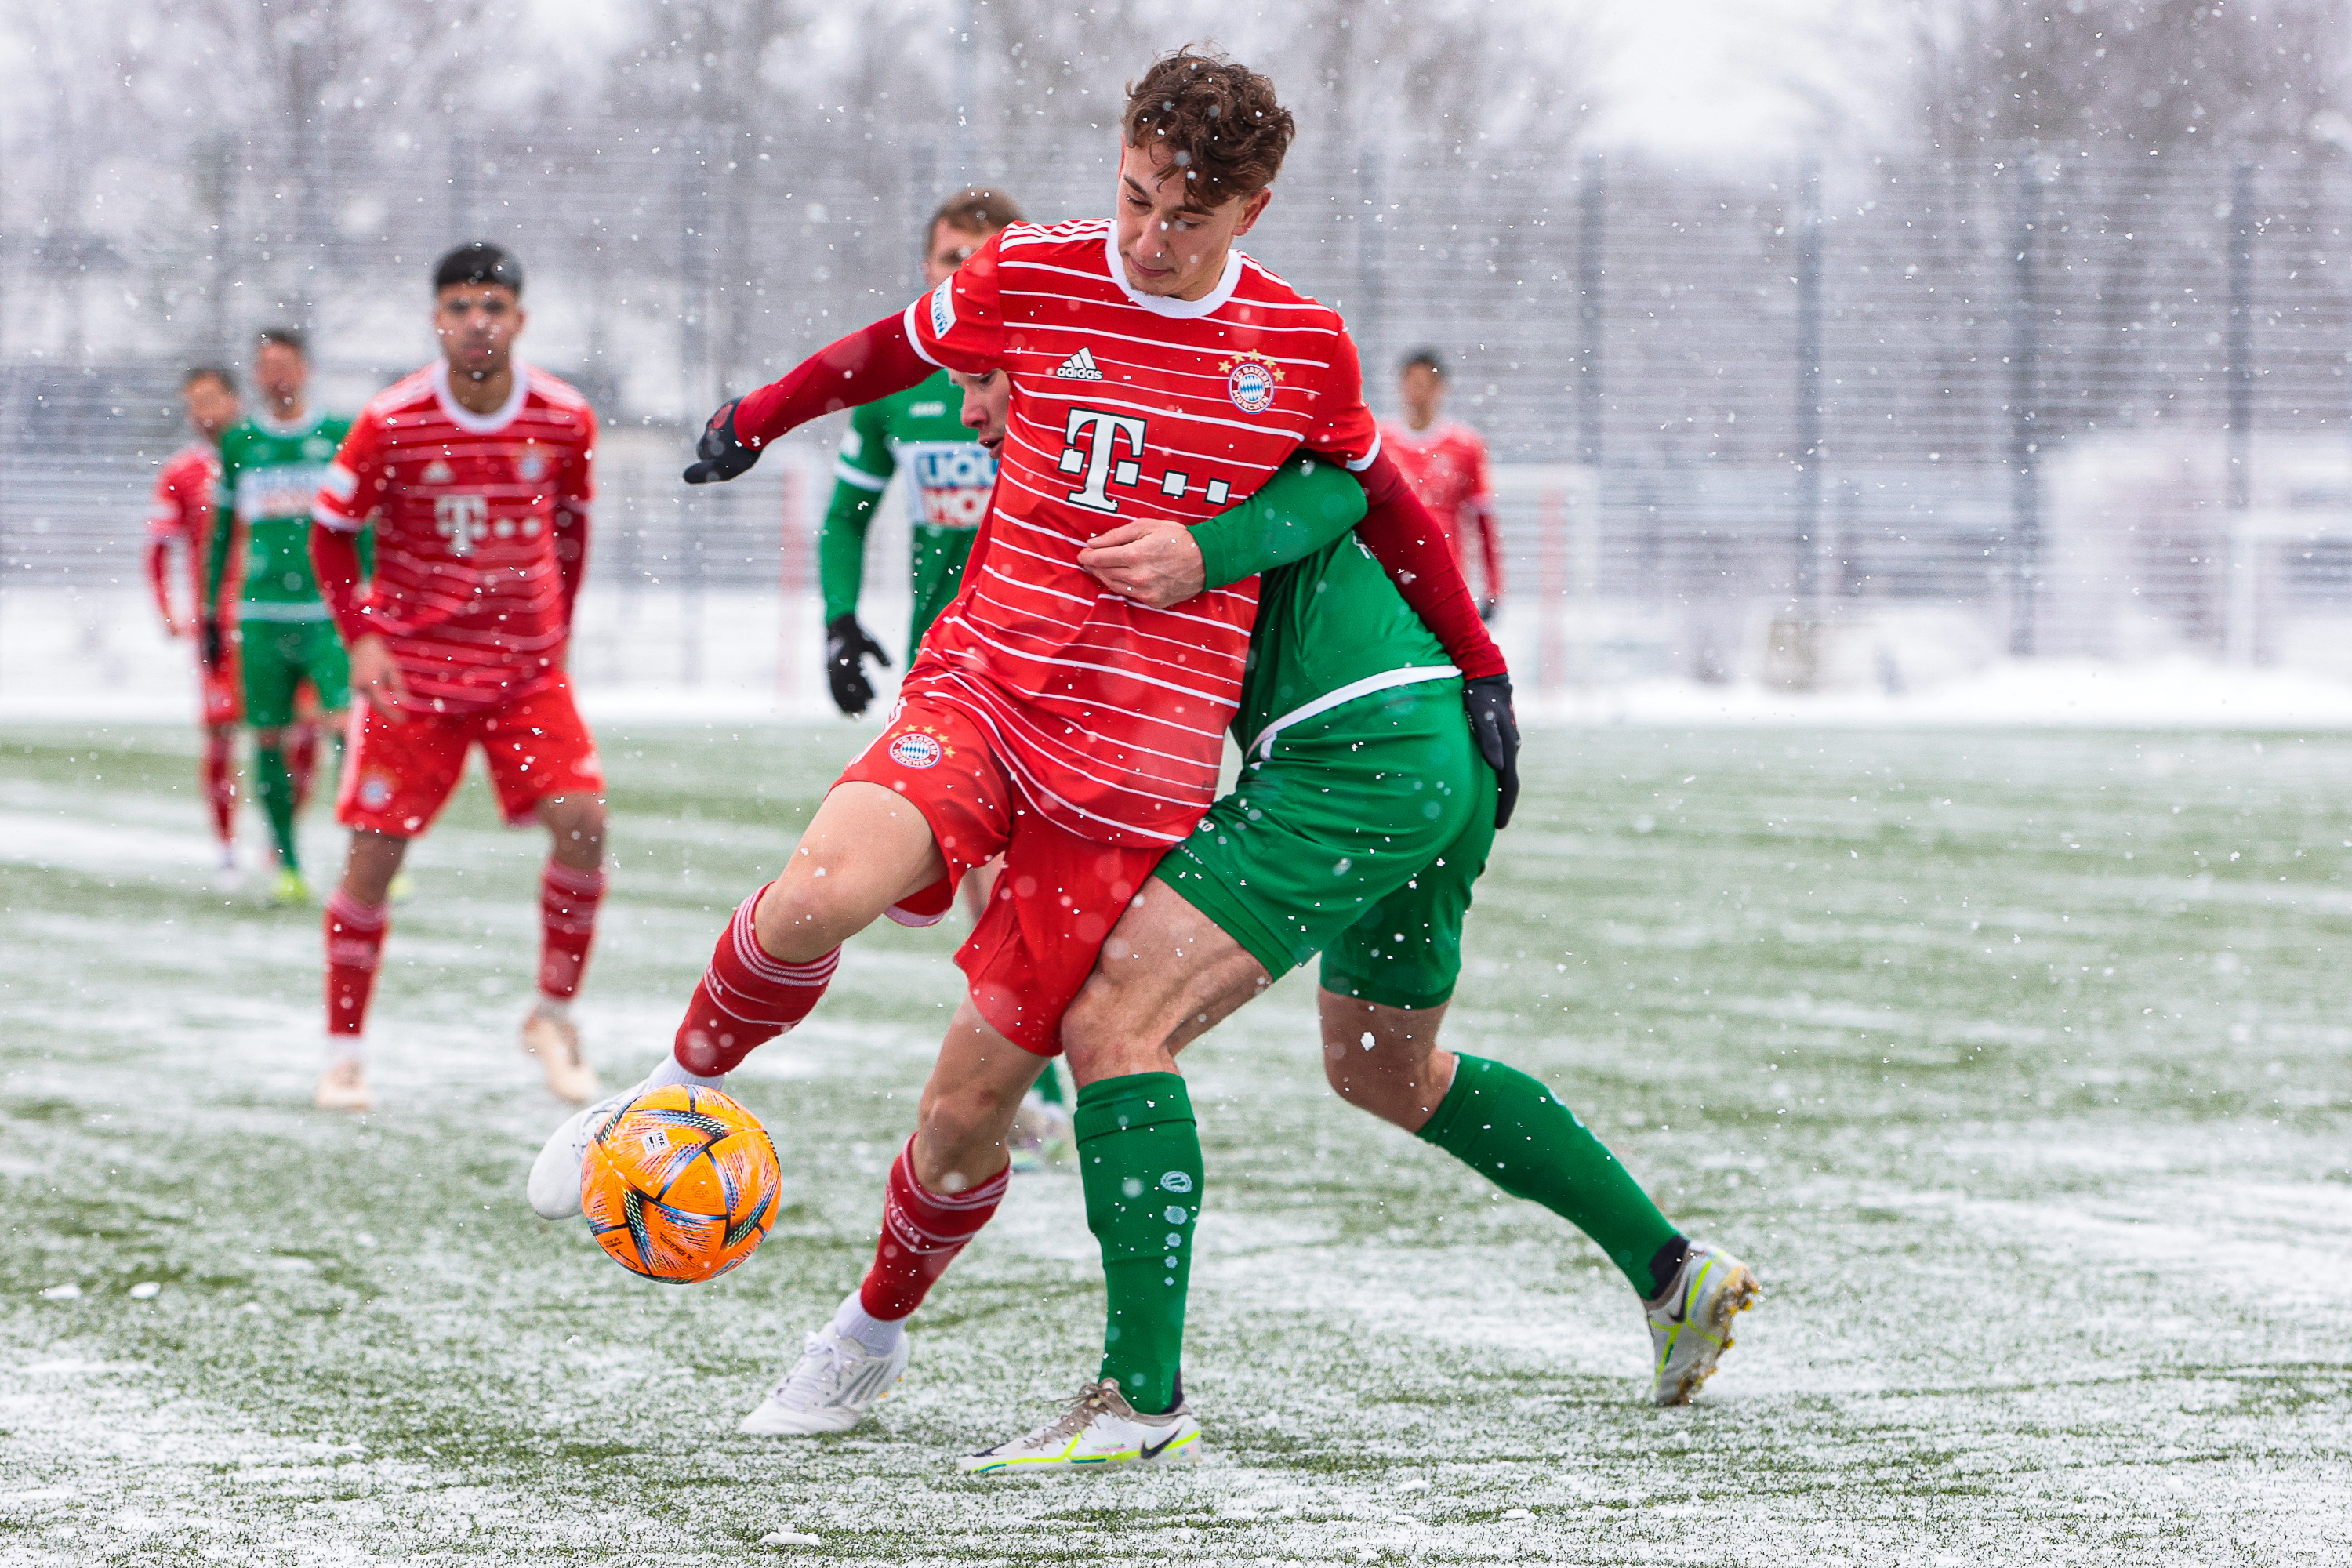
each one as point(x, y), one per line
point(722, 456)
point(209, 646)
point(1489, 700)
point(847, 644)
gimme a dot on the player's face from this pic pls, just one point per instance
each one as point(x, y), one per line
point(1421, 389)
point(478, 324)
point(212, 407)
point(987, 405)
point(281, 372)
point(950, 249)
point(1169, 247)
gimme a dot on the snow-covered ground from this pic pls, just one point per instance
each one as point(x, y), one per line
point(2016, 1062)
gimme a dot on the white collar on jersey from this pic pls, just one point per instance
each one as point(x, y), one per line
point(465, 418)
point(1182, 309)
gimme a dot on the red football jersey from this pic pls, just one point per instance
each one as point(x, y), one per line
point(1446, 465)
point(468, 592)
point(1125, 406)
point(183, 515)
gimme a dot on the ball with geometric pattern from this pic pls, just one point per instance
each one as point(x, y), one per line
point(681, 1184)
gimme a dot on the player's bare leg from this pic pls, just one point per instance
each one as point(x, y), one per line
point(358, 914)
point(571, 887)
point(1516, 1134)
point(944, 1185)
point(865, 849)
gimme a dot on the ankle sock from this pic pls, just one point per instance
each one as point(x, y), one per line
point(851, 1321)
point(1515, 1132)
point(1140, 1158)
point(668, 1072)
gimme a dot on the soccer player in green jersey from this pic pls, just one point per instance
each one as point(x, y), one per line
point(1362, 818)
point(271, 467)
point(919, 432)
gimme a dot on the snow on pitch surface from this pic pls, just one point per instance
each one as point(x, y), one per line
point(2016, 1062)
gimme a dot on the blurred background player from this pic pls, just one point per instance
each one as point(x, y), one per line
point(271, 465)
point(183, 515)
point(950, 474)
point(476, 472)
point(1446, 465)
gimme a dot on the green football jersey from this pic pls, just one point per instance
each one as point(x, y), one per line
point(269, 475)
point(1330, 626)
point(920, 432)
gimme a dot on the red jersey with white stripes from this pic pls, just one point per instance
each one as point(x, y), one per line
point(480, 520)
point(1446, 466)
point(183, 515)
point(1125, 406)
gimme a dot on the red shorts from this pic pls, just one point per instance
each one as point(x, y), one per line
point(398, 777)
point(1057, 898)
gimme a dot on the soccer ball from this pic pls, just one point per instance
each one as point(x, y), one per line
point(681, 1186)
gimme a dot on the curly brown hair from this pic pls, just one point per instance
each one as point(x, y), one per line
point(1218, 119)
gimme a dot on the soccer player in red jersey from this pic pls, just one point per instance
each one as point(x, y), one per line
point(476, 472)
point(1445, 462)
point(183, 516)
point(1156, 372)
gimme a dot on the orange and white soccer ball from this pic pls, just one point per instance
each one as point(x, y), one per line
point(681, 1186)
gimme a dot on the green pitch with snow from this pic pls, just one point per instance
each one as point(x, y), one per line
point(2020, 1065)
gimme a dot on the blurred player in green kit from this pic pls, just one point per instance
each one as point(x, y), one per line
point(920, 433)
point(271, 466)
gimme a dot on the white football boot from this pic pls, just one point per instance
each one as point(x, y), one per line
point(1690, 1320)
point(555, 1041)
point(343, 1087)
point(553, 1187)
point(1099, 1428)
point(830, 1389)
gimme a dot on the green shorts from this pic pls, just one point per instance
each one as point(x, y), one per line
point(279, 656)
point(1357, 835)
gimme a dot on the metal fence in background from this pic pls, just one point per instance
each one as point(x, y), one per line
point(2079, 403)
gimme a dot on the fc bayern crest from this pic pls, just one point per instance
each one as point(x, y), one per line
point(916, 749)
point(1250, 383)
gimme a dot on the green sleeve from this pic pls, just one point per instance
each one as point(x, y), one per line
point(860, 473)
point(224, 536)
point(1307, 503)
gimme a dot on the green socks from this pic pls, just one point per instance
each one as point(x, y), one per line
point(1139, 1157)
point(278, 802)
point(1510, 1129)
point(1049, 1086)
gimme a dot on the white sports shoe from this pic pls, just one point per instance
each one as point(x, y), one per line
point(1099, 1428)
point(1690, 1321)
point(343, 1087)
point(830, 1389)
point(553, 1188)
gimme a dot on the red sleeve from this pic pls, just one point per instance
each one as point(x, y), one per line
point(575, 495)
point(1488, 521)
point(335, 560)
point(1344, 426)
point(1399, 532)
point(355, 481)
point(959, 325)
point(159, 574)
point(860, 368)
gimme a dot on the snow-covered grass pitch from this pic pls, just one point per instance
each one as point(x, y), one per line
point(2019, 1064)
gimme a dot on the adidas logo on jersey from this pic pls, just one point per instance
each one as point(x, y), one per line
point(1079, 366)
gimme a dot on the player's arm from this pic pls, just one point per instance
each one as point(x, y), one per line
point(957, 326)
point(350, 495)
point(164, 526)
point(575, 496)
point(1487, 522)
point(1305, 505)
point(223, 539)
point(860, 474)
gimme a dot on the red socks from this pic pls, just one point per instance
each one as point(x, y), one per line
point(746, 998)
point(921, 1234)
point(354, 946)
point(220, 785)
point(302, 760)
point(567, 924)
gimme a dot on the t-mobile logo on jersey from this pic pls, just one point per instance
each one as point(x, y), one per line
point(462, 520)
point(1099, 459)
